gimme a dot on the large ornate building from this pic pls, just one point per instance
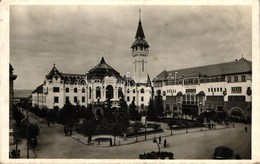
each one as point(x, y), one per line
point(100, 83)
point(218, 87)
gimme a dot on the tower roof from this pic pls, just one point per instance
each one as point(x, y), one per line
point(140, 37)
point(140, 31)
point(101, 70)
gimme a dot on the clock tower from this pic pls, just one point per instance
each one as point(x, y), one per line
point(140, 51)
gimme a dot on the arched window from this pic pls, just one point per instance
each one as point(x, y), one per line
point(142, 90)
point(120, 92)
point(75, 90)
point(133, 90)
point(109, 92)
point(67, 90)
point(83, 90)
point(90, 91)
point(98, 92)
point(142, 106)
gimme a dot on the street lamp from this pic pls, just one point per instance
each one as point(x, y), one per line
point(145, 126)
point(186, 125)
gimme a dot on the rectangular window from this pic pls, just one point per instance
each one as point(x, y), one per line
point(133, 98)
point(220, 89)
point(67, 99)
point(229, 80)
point(236, 79)
point(142, 98)
point(56, 89)
point(243, 78)
point(83, 99)
point(127, 98)
point(217, 89)
point(208, 89)
point(75, 99)
point(236, 98)
point(236, 89)
point(214, 89)
point(56, 99)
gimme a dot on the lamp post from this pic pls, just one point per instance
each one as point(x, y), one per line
point(145, 126)
point(155, 141)
point(186, 125)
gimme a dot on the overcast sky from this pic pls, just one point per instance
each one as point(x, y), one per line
point(76, 37)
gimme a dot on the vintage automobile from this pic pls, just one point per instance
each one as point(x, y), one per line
point(222, 152)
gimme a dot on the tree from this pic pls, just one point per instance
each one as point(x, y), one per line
point(69, 115)
point(137, 126)
point(133, 113)
point(158, 106)
point(117, 130)
point(89, 115)
point(151, 110)
point(17, 115)
point(123, 117)
point(108, 112)
point(89, 128)
point(33, 130)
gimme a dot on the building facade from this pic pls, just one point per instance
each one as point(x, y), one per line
point(219, 87)
point(100, 83)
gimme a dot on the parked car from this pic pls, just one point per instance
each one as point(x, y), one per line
point(222, 152)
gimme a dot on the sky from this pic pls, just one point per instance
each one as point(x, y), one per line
point(75, 38)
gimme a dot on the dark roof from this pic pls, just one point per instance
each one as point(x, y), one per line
point(140, 38)
point(235, 67)
point(39, 89)
point(101, 70)
point(66, 77)
point(140, 31)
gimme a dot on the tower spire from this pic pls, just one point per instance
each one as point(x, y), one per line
point(139, 15)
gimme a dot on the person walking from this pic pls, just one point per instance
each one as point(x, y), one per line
point(246, 129)
point(165, 143)
point(160, 139)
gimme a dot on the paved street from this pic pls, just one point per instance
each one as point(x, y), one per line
point(193, 145)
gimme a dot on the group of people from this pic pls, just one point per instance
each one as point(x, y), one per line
point(164, 142)
point(15, 153)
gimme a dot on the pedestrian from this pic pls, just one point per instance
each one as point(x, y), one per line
point(246, 129)
point(209, 126)
point(48, 124)
point(13, 153)
point(165, 143)
point(98, 142)
point(233, 125)
point(160, 139)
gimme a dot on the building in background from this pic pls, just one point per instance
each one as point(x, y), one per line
point(12, 77)
point(219, 87)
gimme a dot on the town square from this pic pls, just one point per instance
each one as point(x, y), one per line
point(131, 82)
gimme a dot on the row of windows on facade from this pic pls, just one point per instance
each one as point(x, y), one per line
point(196, 80)
point(56, 100)
point(218, 99)
point(57, 89)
